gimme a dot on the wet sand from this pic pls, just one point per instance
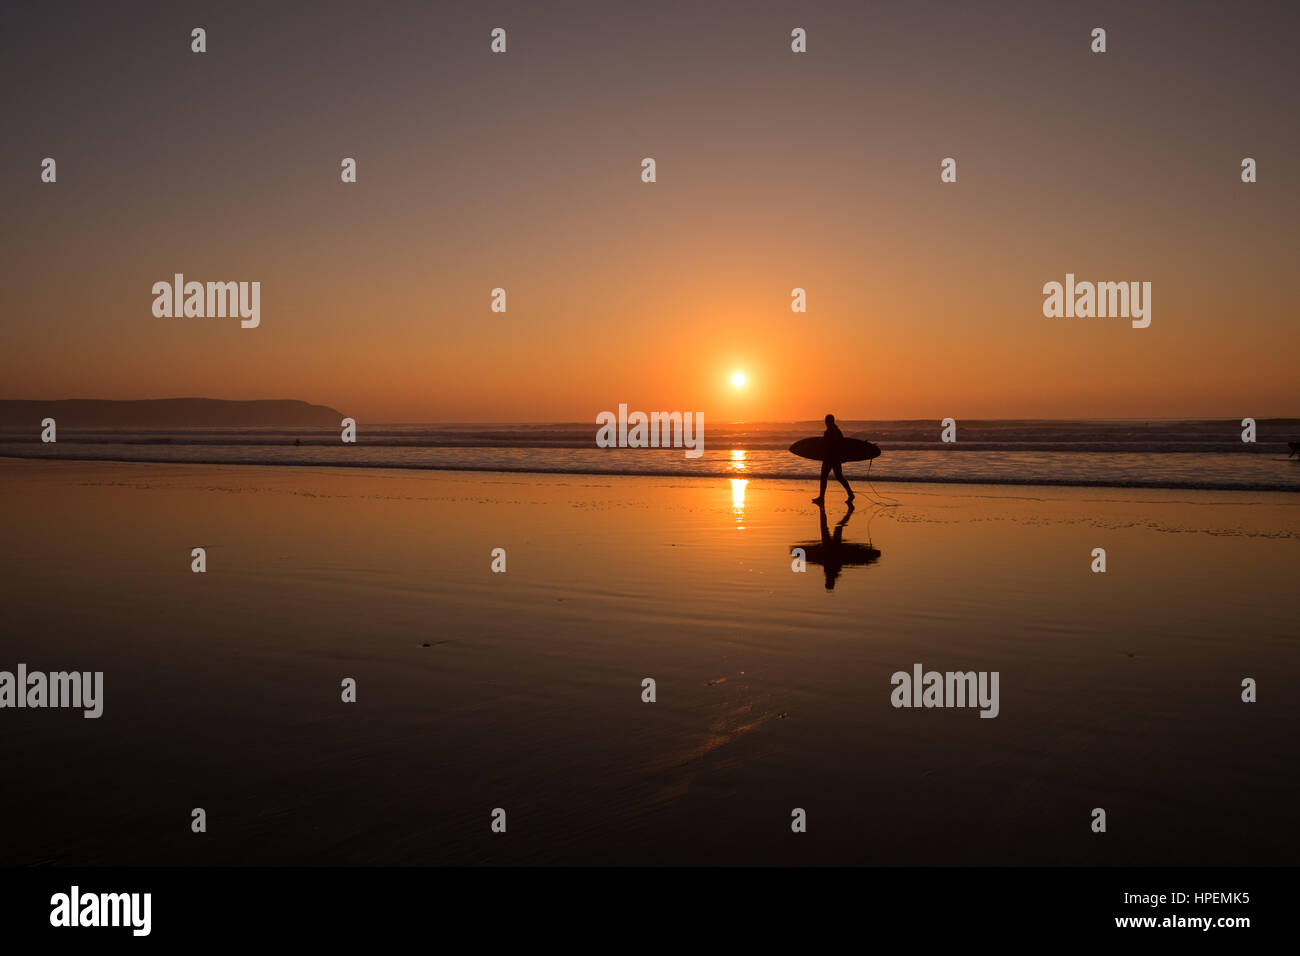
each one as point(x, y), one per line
point(523, 690)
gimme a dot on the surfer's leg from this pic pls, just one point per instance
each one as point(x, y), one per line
point(839, 476)
point(821, 494)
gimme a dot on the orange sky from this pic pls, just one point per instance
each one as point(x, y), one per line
point(775, 170)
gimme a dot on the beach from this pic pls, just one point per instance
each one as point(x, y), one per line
point(523, 690)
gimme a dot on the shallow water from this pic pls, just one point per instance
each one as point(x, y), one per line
point(1117, 690)
point(1159, 454)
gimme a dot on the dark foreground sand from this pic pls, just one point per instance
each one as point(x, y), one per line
point(1119, 691)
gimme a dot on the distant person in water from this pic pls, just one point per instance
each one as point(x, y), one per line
point(833, 436)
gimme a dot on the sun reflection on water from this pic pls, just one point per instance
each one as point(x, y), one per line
point(738, 500)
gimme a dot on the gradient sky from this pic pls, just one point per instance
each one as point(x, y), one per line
point(775, 170)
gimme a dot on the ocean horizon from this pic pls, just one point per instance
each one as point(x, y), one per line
point(1128, 453)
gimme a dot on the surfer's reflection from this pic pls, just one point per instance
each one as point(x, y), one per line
point(833, 553)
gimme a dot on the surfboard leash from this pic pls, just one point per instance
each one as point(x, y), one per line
point(882, 500)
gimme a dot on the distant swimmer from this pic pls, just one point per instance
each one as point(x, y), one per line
point(834, 439)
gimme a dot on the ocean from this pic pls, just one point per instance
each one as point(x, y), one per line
point(522, 690)
point(1204, 454)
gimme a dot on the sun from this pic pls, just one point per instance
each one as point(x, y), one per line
point(738, 379)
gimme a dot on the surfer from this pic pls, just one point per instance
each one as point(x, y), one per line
point(833, 553)
point(833, 550)
point(833, 436)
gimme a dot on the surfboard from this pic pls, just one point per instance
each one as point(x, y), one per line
point(850, 449)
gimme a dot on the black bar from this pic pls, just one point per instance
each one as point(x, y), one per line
point(622, 906)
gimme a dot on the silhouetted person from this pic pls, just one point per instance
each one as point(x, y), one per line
point(833, 436)
point(832, 546)
point(833, 553)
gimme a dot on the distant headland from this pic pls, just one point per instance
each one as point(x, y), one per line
point(165, 413)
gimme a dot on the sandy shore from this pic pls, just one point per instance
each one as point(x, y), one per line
point(523, 690)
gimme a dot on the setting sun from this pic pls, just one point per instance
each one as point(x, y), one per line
point(738, 379)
